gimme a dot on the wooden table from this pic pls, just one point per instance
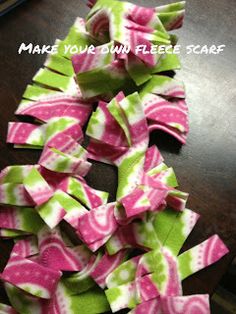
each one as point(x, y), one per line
point(205, 167)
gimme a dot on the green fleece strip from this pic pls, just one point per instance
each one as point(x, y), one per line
point(77, 283)
point(172, 7)
point(5, 309)
point(169, 17)
point(81, 281)
point(123, 274)
point(176, 236)
point(34, 92)
point(128, 169)
point(179, 194)
point(8, 233)
point(123, 296)
point(168, 175)
point(76, 189)
point(52, 79)
point(28, 146)
point(58, 125)
point(78, 41)
point(21, 302)
point(153, 84)
point(50, 211)
point(60, 200)
point(156, 263)
point(132, 108)
point(117, 19)
point(59, 64)
point(163, 223)
point(167, 62)
point(94, 123)
point(90, 302)
point(146, 235)
point(161, 167)
point(69, 203)
point(184, 264)
point(139, 72)
point(31, 221)
point(34, 179)
point(169, 178)
point(88, 82)
point(162, 34)
point(14, 174)
point(118, 115)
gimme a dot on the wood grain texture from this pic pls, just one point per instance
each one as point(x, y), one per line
point(205, 167)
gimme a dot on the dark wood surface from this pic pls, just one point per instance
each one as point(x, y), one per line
point(206, 166)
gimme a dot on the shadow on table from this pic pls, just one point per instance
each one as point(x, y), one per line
point(165, 142)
